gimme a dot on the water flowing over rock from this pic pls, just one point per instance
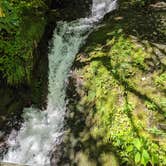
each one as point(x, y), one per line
point(43, 130)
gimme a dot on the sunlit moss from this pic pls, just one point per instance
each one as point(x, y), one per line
point(121, 96)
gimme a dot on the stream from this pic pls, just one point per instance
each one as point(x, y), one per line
point(43, 130)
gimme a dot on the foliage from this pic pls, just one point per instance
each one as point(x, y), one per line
point(160, 80)
point(115, 66)
point(21, 26)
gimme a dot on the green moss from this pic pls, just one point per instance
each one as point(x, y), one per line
point(160, 80)
point(20, 33)
point(121, 95)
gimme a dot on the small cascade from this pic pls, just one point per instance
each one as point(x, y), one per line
point(42, 130)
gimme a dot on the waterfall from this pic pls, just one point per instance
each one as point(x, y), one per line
point(42, 130)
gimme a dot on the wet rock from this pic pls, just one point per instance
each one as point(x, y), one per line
point(11, 104)
point(69, 10)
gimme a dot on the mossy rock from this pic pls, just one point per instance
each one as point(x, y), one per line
point(118, 83)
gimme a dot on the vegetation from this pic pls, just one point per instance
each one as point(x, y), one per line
point(21, 26)
point(122, 93)
point(118, 107)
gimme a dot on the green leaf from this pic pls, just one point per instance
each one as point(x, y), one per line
point(155, 159)
point(137, 143)
point(137, 157)
point(129, 148)
point(145, 157)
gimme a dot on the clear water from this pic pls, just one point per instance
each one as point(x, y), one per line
point(42, 130)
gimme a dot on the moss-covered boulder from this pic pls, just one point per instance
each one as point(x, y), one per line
point(118, 91)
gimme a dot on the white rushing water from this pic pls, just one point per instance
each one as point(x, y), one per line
point(42, 130)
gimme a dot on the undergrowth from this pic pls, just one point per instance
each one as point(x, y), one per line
point(21, 27)
point(114, 73)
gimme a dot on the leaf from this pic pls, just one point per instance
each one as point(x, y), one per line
point(137, 157)
point(145, 157)
point(155, 159)
point(129, 148)
point(137, 143)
